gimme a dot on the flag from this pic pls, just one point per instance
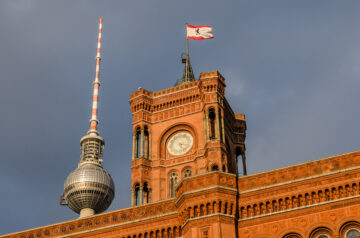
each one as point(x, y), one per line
point(198, 32)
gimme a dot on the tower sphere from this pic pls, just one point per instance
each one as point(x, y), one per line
point(89, 186)
point(89, 189)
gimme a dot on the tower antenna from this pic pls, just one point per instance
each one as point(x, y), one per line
point(94, 120)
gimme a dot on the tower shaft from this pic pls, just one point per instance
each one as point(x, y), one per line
point(89, 189)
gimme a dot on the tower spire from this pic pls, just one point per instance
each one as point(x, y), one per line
point(188, 75)
point(94, 120)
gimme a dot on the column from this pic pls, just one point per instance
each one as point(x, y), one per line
point(142, 143)
point(133, 198)
point(147, 146)
point(150, 145)
point(146, 195)
point(222, 128)
point(206, 125)
point(149, 195)
point(141, 201)
point(244, 163)
point(217, 129)
point(134, 146)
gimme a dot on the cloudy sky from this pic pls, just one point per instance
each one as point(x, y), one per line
point(293, 67)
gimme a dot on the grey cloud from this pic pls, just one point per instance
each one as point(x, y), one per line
point(291, 67)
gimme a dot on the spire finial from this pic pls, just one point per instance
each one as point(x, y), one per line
point(93, 120)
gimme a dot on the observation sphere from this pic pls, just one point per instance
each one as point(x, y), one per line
point(89, 186)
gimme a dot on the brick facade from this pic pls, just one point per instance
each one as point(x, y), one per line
point(316, 199)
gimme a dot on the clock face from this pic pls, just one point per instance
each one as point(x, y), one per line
point(180, 143)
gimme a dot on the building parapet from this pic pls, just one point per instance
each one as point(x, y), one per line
point(300, 171)
point(101, 221)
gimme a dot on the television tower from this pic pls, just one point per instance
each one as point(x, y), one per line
point(89, 189)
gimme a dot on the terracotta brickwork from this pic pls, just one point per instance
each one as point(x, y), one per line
point(199, 193)
point(197, 108)
point(323, 194)
point(211, 205)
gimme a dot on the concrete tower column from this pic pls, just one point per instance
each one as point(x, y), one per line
point(86, 212)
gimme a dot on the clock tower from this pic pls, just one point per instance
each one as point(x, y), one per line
point(183, 131)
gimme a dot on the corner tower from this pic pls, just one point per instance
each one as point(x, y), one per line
point(89, 189)
point(183, 131)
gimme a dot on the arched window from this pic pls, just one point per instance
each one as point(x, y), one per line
point(215, 168)
point(352, 233)
point(146, 193)
point(137, 194)
point(173, 183)
point(212, 123)
point(323, 236)
point(321, 232)
point(292, 235)
point(187, 172)
point(146, 142)
point(138, 142)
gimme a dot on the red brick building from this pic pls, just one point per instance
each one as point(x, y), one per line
point(187, 142)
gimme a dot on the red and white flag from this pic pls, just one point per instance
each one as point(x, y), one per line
point(200, 32)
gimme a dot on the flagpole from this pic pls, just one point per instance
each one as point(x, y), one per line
point(187, 55)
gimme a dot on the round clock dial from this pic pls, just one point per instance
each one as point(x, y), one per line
point(180, 143)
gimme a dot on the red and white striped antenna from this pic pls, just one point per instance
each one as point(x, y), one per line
point(94, 120)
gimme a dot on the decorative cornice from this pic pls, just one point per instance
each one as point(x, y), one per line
point(299, 208)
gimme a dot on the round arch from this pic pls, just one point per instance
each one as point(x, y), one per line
point(320, 230)
point(214, 167)
point(292, 233)
point(173, 181)
point(347, 226)
point(168, 132)
point(187, 171)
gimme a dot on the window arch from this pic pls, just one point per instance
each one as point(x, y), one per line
point(138, 142)
point(146, 142)
point(173, 183)
point(350, 229)
point(292, 235)
point(321, 232)
point(187, 172)
point(212, 123)
point(146, 193)
point(215, 167)
point(169, 132)
point(137, 194)
point(352, 233)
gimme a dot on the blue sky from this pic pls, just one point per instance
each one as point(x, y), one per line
point(291, 66)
